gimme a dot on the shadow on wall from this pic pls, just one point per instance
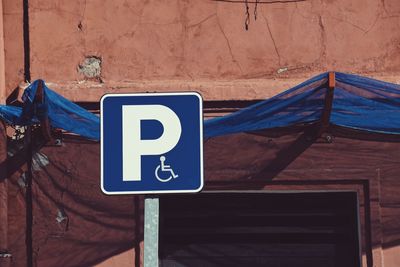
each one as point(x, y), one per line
point(99, 226)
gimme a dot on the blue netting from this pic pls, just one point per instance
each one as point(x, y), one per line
point(359, 103)
point(366, 104)
point(61, 112)
point(301, 104)
point(12, 115)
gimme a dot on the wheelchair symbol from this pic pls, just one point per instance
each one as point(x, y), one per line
point(164, 168)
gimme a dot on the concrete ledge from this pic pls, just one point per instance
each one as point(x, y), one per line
point(246, 89)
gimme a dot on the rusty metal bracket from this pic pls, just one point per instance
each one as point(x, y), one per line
point(44, 120)
point(326, 113)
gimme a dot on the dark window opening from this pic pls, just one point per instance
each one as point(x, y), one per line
point(259, 229)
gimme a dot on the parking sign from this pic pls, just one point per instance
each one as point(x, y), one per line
point(151, 143)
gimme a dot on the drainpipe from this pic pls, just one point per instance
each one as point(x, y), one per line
point(5, 256)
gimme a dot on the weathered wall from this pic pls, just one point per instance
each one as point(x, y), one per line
point(73, 218)
point(205, 39)
point(13, 46)
point(202, 40)
point(201, 45)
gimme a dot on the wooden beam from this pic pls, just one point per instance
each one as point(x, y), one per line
point(44, 120)
point(326, 113)
point(331, 80)
point(211, 90)
point(244, 89)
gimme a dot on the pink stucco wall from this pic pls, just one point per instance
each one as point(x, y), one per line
point(203, 39)
point(201, 45)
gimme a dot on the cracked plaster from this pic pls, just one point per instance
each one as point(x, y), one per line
point(181, 39)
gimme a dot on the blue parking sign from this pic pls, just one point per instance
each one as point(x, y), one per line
point(151, 143)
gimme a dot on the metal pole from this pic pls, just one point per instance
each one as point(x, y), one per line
point(5, 255)
point(28, 200)
point(151, 224)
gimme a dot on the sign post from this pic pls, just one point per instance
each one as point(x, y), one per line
point(151, 226)
point(151, 144)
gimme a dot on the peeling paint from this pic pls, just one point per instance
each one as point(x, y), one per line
point(91, 67)
point(281, 70)
point(39, 160)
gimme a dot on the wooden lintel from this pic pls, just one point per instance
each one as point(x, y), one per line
point(44, 121)
point(211, 90)
point(332, 80)
point(326, 113)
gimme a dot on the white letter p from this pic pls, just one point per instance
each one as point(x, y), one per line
point(133, 147)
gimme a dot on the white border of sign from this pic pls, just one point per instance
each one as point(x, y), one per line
point(152, 192)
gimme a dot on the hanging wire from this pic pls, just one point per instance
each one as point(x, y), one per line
point(247, 21)
point(255, 10)
point(259, 1)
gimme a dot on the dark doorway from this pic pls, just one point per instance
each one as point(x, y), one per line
point(310, 229)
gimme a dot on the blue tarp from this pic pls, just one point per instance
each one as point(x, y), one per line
point(61, 112)
point(358, 103)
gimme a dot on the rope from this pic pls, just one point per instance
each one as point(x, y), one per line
point(255, 10)
point(247, 21)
